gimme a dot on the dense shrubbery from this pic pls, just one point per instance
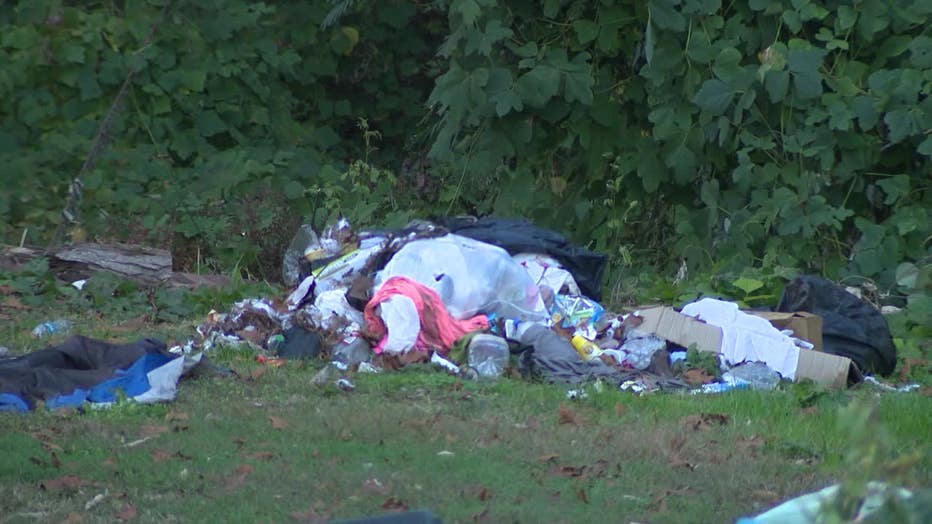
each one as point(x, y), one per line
point(772, 134)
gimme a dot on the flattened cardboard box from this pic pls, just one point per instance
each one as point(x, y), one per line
point(806, 326)
point(683, 330)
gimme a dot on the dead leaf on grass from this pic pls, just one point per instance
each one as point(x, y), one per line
point(239, 441)
point(278, 423)
point(262, 455)
point(581, 495)
point(159, 455)
point(346, 435)
point(73, 518)
point(620, 409)
point(257, 373)
point(701, 421)
point(393, 504)
point(64, 482)
point(548, 457)
point(567, 416)
point(749, 445)
point(697, 377)
point(239, 476)
point(152, 430)
point(127, 513)
point(14, 303)
point(176, 415)
point(658, 503)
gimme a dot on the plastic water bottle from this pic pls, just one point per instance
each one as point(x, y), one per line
point(52, 327)
point(488, 355)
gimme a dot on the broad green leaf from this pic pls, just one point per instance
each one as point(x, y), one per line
point(665, 15)
point(925, 147)
point(748, 285)
point(586, 31)
point(866, 113)
point(551, 8)
point(715, 96)
point(906, 275)
point(538, 85)
point(777, 84)
point(293, 190)
point(494, 32)
point(903, 123)
point(468, 9)
point(578, 87)
point(894, 187)
point(920, 50)
point(209, 123)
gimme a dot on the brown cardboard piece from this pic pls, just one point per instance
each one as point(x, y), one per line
point(807, 326)
point(683, 330)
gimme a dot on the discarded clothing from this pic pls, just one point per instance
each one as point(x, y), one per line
point(84, 370)
point(469, 276)
point(517, 235)
point(553, 357)
point(851, 327)
point(438, 330)
point(746, 337)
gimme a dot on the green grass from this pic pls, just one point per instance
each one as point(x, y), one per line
point(267, 446)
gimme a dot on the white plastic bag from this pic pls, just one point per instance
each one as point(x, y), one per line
point(471, 277)
point(399, 314)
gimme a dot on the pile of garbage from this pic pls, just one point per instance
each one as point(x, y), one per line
point(490, 296)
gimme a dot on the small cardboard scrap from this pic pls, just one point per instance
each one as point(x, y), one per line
point(685, 331)
point(806, 326)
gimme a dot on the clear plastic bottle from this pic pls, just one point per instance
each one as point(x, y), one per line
point(52, 327)
point(756, 374)
point(291, 261)
point(488, 355)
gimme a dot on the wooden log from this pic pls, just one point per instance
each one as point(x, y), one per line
point(142, 264)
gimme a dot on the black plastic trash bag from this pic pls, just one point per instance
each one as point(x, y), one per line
point(851, 327)
point(518, 235)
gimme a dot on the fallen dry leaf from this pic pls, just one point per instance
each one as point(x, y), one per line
point(159, 455)
point(151, 430)
point(64, 482)
point(484, 493)
point(239, 476)
point(73, 518)
point(620, 409)
point(262, 455)
point(56, 462)
point(697, 377)
point(566, 416)
point(14, 303)
point(278, 423)
point(393, 504)
point(176, 415)
point(346, 435)
point(482, 516)
point(257, 373)
point(702, 421)
point(581, 495)
point(127, 513)
point(548, 457)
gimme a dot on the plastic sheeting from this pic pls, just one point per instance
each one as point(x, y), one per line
point(518, 235)
point(470, 277)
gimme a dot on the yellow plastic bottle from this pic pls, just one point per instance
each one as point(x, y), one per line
point(586, 348)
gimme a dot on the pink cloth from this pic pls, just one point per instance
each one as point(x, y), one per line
point(439, 330)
